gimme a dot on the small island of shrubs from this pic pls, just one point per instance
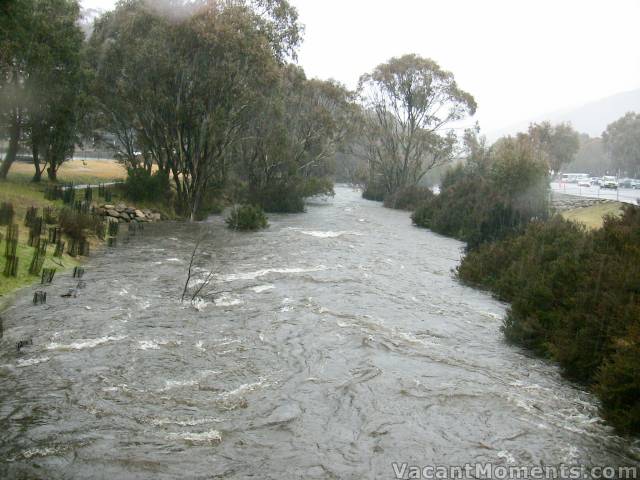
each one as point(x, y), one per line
point(247, 218)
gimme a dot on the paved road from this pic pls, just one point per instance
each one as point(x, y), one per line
point(626, 195)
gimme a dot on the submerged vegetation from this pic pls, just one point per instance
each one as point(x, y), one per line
point(247, 217)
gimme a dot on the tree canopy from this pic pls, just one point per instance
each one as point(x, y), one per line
point(408, 104)
point(622, 142)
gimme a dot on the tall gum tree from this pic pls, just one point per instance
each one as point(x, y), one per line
point(181, 87)
point(409, 103)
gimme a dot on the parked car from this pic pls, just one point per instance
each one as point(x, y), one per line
point(595, 181)
point(635, 183)
point(609, 181)
point(625, 182)
point(584, 183)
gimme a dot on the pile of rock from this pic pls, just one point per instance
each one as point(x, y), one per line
point(123, 213)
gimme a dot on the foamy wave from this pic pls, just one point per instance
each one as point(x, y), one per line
point(244, 388)
point(156, 343)
point(267, 271)
point(212, 436)
point(327, 234)
point(148, 345)
point(200, 304)
point(506, 455)
point(31, 361)
point(169, 384)
point(88, 343)
point(226, 301)
point(42, 452)
point(263, 288)
point(189, 422)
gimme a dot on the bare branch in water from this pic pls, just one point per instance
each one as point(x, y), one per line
point(193, 256)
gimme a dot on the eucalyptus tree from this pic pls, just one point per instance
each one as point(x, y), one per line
point(557, 143)
point(55, 88)
point(288, 148)
point(40, 83)
point(622, 143)
point(14, 41)
point(180, 88)
point(409, 104)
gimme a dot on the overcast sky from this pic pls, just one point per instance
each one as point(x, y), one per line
point(519, 59)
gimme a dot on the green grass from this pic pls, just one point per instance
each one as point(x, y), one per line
point(24, 252)
point(592, 217)
point(74, 171)
point(20, 191)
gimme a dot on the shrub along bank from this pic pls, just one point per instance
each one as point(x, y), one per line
point(574, 292)
point(491, 196)
point(575, 298)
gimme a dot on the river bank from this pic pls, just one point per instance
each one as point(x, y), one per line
point(22, 194)
point(338, 342)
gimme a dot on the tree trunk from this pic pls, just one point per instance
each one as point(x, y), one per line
point(52, 171)
point(195, 207)
point(35, 153)
point(14, 138)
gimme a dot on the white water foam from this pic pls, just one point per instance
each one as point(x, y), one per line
point(189, 422)
point(266, 271)
point(263, 288)
point(244, 388)
point(31, 361)
point(212, 436)
point(170, 384)
point(156, 343)
point(84, 343)
point(227, 301)
point(327, 234)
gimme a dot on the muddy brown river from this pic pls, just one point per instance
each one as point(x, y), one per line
point(338, 342)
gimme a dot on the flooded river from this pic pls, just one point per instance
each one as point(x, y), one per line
point(339, 342)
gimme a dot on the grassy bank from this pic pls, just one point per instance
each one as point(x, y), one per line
point(22, 194)
point(9, 285)
point(593, 217)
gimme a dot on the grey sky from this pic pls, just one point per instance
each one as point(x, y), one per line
point(518, 58)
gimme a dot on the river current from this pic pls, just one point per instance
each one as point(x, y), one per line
point(336, 343)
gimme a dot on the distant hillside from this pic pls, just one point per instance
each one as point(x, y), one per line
point(591, 118)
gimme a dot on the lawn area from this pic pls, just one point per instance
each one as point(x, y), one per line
point(593, 216)
point(75, 171)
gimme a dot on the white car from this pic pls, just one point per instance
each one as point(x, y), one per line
point(584, 183)
point(609, 182)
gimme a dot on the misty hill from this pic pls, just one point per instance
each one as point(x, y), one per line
point(591, 118)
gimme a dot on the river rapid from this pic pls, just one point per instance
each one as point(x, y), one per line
point(339, 342)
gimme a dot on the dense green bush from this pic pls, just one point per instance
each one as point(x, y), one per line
point(141, 185)
point(247, 217)
point(408, 198)
point(575, 297)
point(483, 202)
point(288, 196)
point(373, 192)
point(279, 198)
